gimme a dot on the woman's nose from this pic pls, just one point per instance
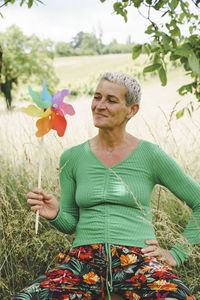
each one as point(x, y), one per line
point(101, 104)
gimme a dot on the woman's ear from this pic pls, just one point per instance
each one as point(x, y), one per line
point(133, 110)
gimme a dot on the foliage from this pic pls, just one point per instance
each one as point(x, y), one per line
point(168, 39)
point(24, 59)
point(84, 43)
point(21, 2)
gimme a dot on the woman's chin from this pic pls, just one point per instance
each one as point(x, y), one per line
point(100, 125)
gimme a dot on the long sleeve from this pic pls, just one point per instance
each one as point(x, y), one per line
point(68, 214)
point(172, 176)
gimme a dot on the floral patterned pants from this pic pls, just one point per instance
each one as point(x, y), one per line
point(87, 272)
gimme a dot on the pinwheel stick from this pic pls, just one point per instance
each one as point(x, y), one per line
point(39, 179)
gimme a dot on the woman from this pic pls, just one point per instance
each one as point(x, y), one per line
point(106, 186)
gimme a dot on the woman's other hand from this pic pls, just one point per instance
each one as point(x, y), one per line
point(154, 250)
point(47, 204)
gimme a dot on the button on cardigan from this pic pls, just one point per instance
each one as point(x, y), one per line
point(112, 204)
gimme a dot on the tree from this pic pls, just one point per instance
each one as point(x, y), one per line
point(86, 43)
point(90, 41)
point(168, 40)
point(24, 59)
point(76, 42)
point(64, 49)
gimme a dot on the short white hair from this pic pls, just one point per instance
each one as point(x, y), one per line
point(133, 94)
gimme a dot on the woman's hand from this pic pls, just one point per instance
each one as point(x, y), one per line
point(155, 250)
point(47, 204)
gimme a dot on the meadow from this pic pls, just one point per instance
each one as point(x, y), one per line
point(25, 255)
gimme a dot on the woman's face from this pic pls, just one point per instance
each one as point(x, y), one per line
point(109, 107)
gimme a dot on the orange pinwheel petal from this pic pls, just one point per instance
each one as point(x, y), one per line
point(44, 125)
point(59, 124)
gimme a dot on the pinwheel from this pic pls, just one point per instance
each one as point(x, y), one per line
point(51, 111)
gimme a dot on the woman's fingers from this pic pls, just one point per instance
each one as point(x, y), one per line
point(34, 202)
point(155, 250)
point(32, 195)
point(39, 194)
point(151, 251)
point(152, 242)
point(36, 207)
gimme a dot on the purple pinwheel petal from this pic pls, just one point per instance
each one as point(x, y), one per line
point(67, 109)
point(58, 97)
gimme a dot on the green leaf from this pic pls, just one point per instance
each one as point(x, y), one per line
point(175, 31)
point(189, 112)
point(184, 50)
point(180, 113)
point(173, 4)
point(151, 68)
point(194, 64)
point(102, 1)
point(118, 7)
point(147, 48)
point(163, 76)
point(30, 3)
point(137, 50)
point(22, 2)
point(137, 3)
point(150, 29)
point(183, 90)
point(166, 40)
point(160, 4)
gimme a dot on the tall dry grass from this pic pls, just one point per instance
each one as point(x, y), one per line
point(23, 254)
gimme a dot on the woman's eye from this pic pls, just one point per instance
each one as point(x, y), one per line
point(111, 101)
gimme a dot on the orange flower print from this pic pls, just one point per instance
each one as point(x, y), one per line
point(90, 278)
point(144, 269)
point(114, 251)
point(190, 298)
point(131, 295)
point(128, 259)
point(95, 246)
point(162, 285)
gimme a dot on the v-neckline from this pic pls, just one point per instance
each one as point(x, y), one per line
point(126, 158)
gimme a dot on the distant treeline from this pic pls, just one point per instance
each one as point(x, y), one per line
point(89, 44)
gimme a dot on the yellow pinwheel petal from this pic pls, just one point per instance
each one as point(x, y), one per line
point(46, 113)
point(34, 111)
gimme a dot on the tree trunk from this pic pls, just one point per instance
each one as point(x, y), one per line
point(1, 53)
point(6, 89)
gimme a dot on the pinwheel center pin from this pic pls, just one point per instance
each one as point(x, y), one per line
point(54, 106)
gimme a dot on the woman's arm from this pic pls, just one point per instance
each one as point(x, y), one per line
point(67, 217)
point(172, 176)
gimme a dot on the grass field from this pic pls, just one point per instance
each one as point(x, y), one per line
point(24, 255)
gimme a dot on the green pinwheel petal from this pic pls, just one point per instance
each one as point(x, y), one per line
point(37, 99)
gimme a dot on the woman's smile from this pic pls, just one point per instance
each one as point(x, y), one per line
point(100, 115)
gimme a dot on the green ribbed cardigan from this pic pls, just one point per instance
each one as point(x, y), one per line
point(112, 204)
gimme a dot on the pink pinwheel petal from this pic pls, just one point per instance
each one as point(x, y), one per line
point(67, 109)
point(60, 125)
point(59, 96)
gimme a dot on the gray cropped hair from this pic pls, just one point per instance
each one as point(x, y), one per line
point(134, 90)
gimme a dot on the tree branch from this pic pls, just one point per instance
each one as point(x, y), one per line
point(4, 3)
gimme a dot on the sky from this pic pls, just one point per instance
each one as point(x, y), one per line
point(62, 19)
